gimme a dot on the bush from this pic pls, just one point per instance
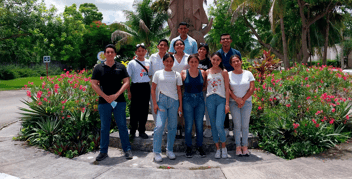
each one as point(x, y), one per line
point(8, 72)
point(301, 111)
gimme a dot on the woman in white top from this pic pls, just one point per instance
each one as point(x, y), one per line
point(242, 88)
point(167, 102)
point(217, 101)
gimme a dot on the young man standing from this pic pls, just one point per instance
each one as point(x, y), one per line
point(139, 93)
point(106, 81)
point(226, 52)
point(156, 63)
point(190, 43)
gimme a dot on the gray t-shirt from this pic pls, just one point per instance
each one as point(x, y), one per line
point(167, 82)
point(137, 72)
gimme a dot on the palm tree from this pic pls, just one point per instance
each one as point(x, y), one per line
point(143, 26)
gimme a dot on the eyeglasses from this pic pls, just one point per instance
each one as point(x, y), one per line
point(225, 38)
point(203, 44)
point(110, 52)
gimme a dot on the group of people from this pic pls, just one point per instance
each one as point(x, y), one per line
point(184, 85)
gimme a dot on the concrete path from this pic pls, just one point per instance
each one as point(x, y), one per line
point(22, 161)
point(9, 106)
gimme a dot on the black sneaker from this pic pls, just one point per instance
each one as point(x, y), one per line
point(128, 154)
point(189, 152)
point(201, 152)
point(101, 156)
point(143, 135)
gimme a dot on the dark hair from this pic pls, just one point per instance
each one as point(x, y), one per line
point(110, 46)
point(164, 40)
point(183, 23)
point(192, 56)
point(233, 56)
point(167, 55)
point(205, 46)
point(140, 45)
point(221, 65)
point(224, 35)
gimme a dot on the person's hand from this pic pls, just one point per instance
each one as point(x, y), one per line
point(239, 101)
point(156, 108)
point(110, 98)
point(179, 111)
point(227, 108)
point(129, 95)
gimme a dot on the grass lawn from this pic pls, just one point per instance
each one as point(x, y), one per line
point(18, 83)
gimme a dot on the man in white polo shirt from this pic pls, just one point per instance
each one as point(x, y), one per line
point(190, 43)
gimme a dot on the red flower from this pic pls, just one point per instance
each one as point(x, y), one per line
point(306, 78)
point(29, 94)
point(347, 117)
point(308, 97)
point(317, 125)
point(259, 108)
point(39, 94)
point(40, 103)
point(315, 122)
point(288, 105)
point(333, 110)
point(332, 121)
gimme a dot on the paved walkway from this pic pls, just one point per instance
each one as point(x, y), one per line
point(22, 161)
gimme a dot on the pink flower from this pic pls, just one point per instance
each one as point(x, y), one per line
point(68, 116)
point(347, 117)
point(264, 85)
point(332, 121)
point(344, 78)
point(45, 99)
point(295, 126)
point(56, 86)
point(288, 105)
point(64, 101)
point(333, 110)
point(270, 99)
point(306, 78)
point(314, 121)
point(275, 98)
point(63, 107)
point(259, 108)
point(308, 97)
point(39, 94)
point(317, 125)
point(40, 103)
point(41, 78)
point(299, 106)
point(29, 94)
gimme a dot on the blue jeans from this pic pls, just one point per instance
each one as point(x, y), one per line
point(216, 110)
point(105, 111)
point(168, 110)
point(240, 117)
point(193, 109)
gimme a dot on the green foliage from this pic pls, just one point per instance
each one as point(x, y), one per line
point(62, 115)
point(302, 111)
point(8, 72)
point(90, 13)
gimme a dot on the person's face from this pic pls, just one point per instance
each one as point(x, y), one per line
point(140, 52)
point(183, 29)
point(236, 63)
point(110, 53)
point(215, 60)
point(226, 40)
point(193, 63)
point(202, 51)
point(168, 63)
point(179, 46)
point(163, 46)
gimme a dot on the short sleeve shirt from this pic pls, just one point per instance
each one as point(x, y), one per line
point(226, 57)
point(204, 64)
point(167, 82)
point(156, 63)
point(110, 79)
point(190, 45)
point(240, 83)
point(183, 65)
point(137, 73)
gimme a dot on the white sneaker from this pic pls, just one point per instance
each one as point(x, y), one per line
point(157, 157)
point(227, 132)
point(224, 152)
point(207, 133)
point(171, 155)
point(217, 154)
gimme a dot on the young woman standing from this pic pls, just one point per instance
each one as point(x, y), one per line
point(217, 102)
point(167, 102)
point(193, 103)
point(242, 87)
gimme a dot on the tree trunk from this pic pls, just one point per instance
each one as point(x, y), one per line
point(326, 39)
point(284, 43)
point(341, 55)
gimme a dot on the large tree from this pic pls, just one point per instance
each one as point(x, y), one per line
point(143, 26)
point(90, 13)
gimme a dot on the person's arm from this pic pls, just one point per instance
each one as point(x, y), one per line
point(155, 104)
point(171, 49)
point(183, 75)
point(125, 85)
point(204, 75)
point(130, 73)
point(226, 81)
point(179, 93)
point(97, 89)
point(249, 92)
point(195, 48)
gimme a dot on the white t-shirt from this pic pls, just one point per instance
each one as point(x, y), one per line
point(240, 83)
point(137, 72)
point(183, 65)
point(156, 63)
point(166, 83)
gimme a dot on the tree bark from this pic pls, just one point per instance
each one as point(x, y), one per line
point(326, 39)
point(284, 43)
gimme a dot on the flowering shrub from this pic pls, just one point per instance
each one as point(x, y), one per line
point(301, 111)
point(63, 114)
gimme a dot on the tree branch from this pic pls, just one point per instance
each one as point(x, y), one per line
point(277, 53)
point(322, 14)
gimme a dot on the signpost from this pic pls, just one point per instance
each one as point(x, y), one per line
point(46, 60)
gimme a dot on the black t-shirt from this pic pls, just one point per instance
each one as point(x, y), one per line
point(204, 64)
point(110, 79)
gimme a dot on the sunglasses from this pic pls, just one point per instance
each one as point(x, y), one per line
point(140, 45)
point(203, 44)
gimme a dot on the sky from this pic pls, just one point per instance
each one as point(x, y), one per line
point(112, 9)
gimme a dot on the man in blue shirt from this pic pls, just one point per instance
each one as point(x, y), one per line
point(226, 50)
point(190, 43)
